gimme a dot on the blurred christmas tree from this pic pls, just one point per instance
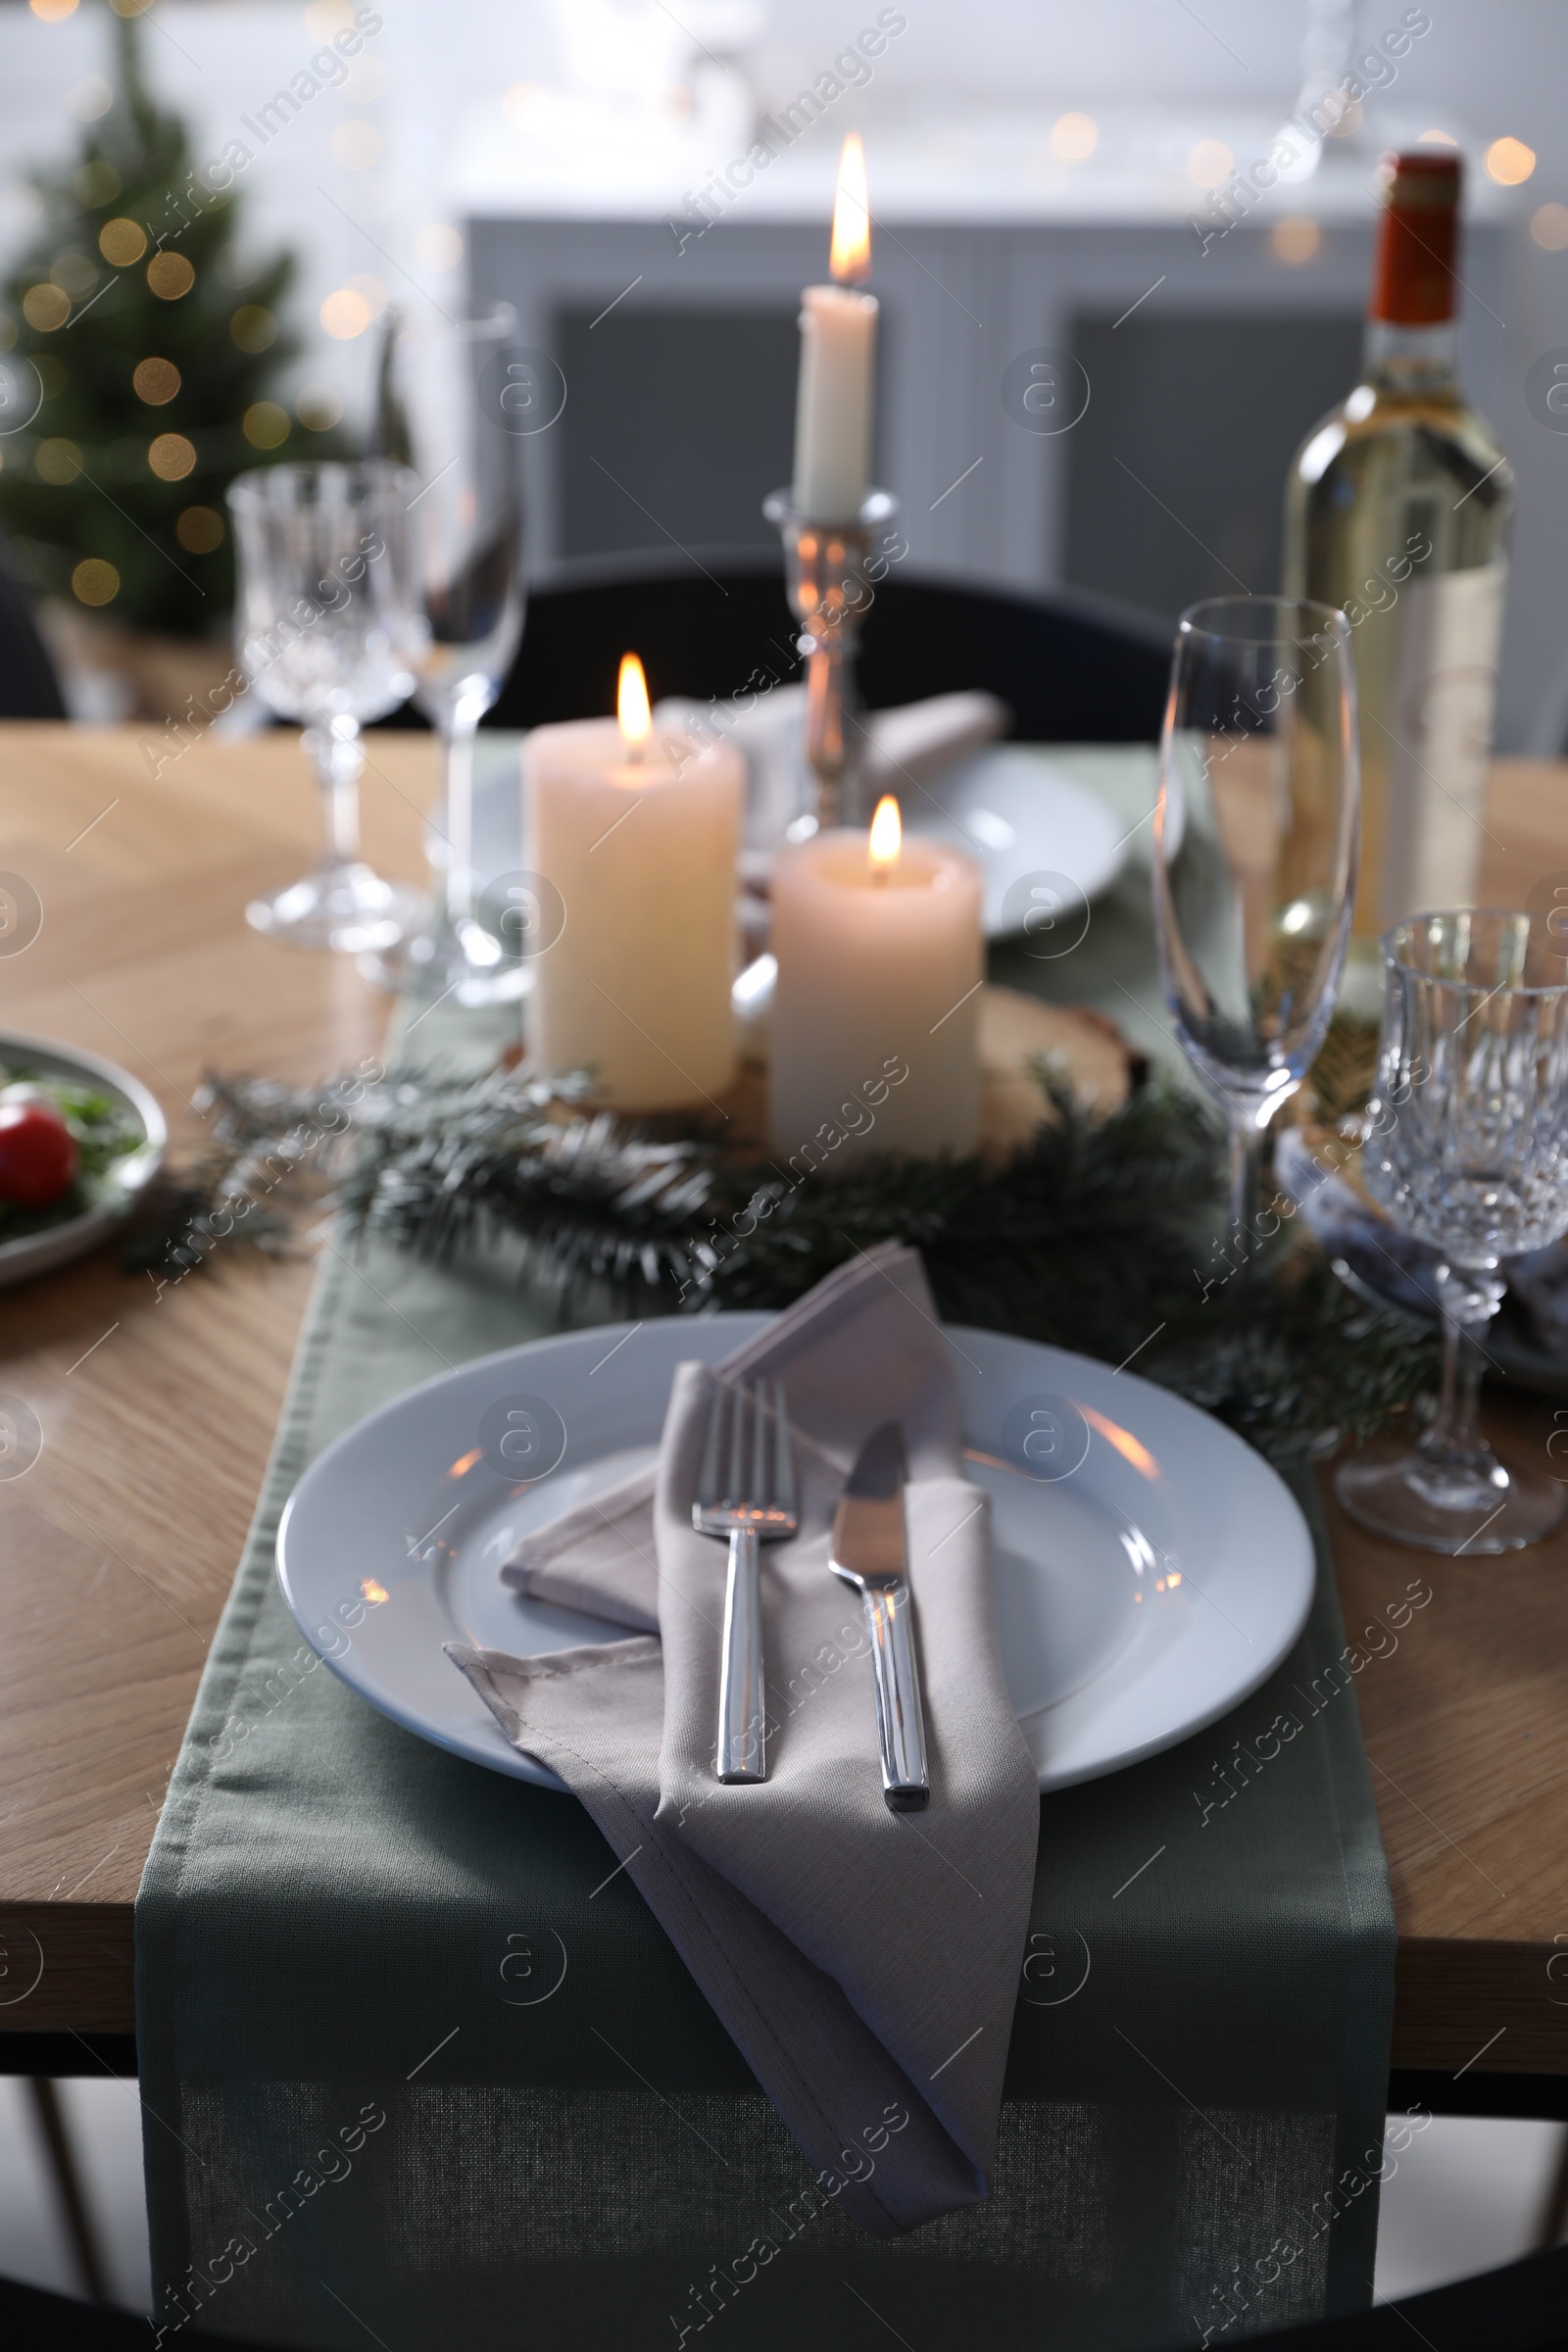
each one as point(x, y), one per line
point(153, 345)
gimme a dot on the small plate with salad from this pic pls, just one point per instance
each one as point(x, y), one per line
point(79, 1140)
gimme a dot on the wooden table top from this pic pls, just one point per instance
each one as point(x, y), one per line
point(120, 1545)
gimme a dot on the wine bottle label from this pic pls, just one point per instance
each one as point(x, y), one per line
point(1446, 684)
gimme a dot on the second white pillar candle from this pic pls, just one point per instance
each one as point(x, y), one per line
point(877, 1005)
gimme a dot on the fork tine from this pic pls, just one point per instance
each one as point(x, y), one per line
point(713, 1444)
point(783, 1458)
point(735, 1487)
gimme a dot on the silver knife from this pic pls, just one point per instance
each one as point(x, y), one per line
point(870, 1552)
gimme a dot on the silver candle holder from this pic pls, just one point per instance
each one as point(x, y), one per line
point(829, 585)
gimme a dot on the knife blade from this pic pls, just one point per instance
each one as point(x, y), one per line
point(870, 1552)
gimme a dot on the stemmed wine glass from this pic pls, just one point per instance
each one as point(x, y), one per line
point(326, 630)
point(1255, 835)
point(1467, 1148)
point(454, 398)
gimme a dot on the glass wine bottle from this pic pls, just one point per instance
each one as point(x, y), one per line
point(1397, 510)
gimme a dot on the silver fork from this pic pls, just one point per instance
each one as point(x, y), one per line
point(744, 1491)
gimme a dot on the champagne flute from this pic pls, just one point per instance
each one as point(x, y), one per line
point(1466, 1147)
point(324, 628)
point(452, 400)
point(1256, 834)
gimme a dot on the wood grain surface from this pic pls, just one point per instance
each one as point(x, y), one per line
point(118, 1548)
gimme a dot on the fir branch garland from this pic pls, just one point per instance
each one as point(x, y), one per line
point(1105, 1235)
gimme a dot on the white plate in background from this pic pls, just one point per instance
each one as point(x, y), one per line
point(1020, 818)
point(1016, 813)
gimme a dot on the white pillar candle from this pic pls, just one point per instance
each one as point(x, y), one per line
point(638, 832)
point(838, 358)
point(877, 1005)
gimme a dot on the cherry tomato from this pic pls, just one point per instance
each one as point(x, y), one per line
point(38, 1155)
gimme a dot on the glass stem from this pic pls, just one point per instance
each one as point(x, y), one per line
point(1468, 1300)
point(459, 811)
point(1247, 1154)
point(337, 756)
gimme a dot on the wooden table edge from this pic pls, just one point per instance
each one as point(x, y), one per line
point(1499, 2008)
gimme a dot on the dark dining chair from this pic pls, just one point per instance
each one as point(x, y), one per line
point(1072, 668)
point(28, 687)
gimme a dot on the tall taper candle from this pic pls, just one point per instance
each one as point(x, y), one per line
point(838, 358)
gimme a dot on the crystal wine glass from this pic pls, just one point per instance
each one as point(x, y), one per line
point(324, 626)
point(1254, 853)
point(1466, 1147)
point(455, 398)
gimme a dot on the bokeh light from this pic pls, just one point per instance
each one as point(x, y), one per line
point(265, 425)
point(252, 326)
point(170, 275)
point(1210, 164)
point(87, 100)
point(200, 529)
point(95, 582)
point(155, 382)
point(345, 314)
point(121, 242)
point(318, 407)
point(355, 145)
point(438, 247)
point(1073, 138)
point(59, 461)
point(45, 308)
point(1295, 240)
point(172, 457)
point(1510, 161)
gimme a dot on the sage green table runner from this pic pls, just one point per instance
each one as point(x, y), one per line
point(371, 2105)
point(418, 2066)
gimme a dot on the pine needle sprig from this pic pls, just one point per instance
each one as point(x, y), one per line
point(1106, 1235)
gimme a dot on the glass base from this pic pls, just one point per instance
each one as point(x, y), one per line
point(1469, 1504)
point(347, 908)
point(466, 964)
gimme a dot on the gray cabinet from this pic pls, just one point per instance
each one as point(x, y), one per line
point(1165, 486)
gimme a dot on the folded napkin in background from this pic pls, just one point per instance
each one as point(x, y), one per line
point(906, 749)
point(918, 742)
point(867, 1963)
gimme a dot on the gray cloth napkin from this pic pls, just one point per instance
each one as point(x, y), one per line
point(867, 1963)
point(906, 747)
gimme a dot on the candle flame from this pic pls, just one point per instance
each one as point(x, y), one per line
point(631, 704)
point(850, 259)
point(887, 834)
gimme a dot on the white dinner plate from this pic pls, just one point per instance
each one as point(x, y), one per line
point(1026, 823)
point(1139, 1595)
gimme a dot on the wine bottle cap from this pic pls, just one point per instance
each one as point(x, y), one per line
point(1413, 281)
